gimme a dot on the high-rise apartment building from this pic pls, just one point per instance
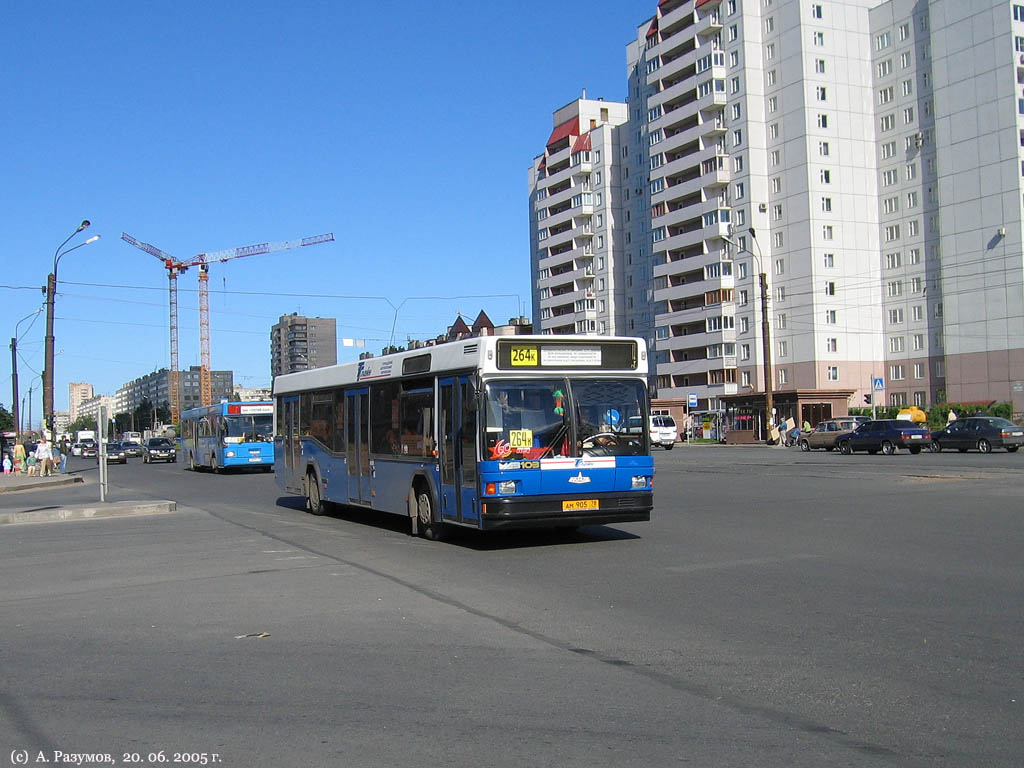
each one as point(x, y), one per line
point(155, 387)
point(867, 157)
point(976, 55)
point(298, 343)
point(78, 392)
point(577, 224)
point(761, 161)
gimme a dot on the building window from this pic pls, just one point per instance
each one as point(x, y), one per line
point(783, 348)
point(783, 377)
point(895, 317)
point(833, 373)
point(825, 175)
point(827, 232)
point(819, 66)
point(819, 38)
point(895, 343)
point(830, 316)
point(830, 288)
point(826, 204)
point(780, 294)
point(821, 93)
point(897, 373)
point(780, 321)
point(831, 345)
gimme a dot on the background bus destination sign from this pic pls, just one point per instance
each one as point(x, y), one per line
point(514, 355)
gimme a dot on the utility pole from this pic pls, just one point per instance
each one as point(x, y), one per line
point(14, 386)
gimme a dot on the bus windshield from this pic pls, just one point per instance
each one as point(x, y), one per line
point(258, 428)
point(563, 417)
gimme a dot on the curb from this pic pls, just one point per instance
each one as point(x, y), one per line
point(45, 482)
point(88, 512)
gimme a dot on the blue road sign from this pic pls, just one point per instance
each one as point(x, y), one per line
point(878, 383)
point(691, 400)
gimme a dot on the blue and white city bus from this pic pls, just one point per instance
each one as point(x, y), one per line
point(487, 433)
point(228, 435)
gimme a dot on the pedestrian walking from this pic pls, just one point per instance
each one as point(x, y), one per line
point(8, 464)
point(950, 417)
point(19, 459)
point(44, 457)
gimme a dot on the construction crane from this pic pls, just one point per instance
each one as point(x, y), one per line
point(174, 268)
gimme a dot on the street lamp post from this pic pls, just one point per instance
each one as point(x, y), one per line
point(766, 338)
point(51, 291)
point(14, 373)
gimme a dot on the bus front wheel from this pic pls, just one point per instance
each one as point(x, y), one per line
point(314, 500)
point(429, 528)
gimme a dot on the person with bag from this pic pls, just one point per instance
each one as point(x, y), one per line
point(44, 457)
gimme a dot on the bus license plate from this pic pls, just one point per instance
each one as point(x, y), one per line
point(578, 504)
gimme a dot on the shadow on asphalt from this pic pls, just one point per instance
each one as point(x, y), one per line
point(461, 537)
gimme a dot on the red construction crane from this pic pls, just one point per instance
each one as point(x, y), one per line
point(203, 260)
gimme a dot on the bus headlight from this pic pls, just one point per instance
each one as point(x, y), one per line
point(231, 455)
point(507, 486)
point(641, 481)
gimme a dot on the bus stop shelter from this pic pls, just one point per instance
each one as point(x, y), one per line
point(744, 418)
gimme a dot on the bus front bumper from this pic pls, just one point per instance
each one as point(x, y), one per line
point(549, 511)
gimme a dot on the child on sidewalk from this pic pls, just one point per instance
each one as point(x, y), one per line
point(7, 464)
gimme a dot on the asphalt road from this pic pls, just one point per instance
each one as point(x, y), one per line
point(781, 609)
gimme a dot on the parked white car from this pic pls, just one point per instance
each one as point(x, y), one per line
point(663, 432)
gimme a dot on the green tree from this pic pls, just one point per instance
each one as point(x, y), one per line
point(82, 422)
point(6, 419)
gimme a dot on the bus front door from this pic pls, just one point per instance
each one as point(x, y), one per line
point(458, 450)
point(290, 431)
point(357, 425)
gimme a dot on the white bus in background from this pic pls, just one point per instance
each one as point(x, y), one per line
point(131, 437)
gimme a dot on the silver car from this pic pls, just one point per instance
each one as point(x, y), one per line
point(827, 433)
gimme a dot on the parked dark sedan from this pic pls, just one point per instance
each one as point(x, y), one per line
point(887, 436)
point(981, 432)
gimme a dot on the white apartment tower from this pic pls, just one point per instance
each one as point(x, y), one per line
point(908, 203)
point(576, 234)
point(761, 155)
point(867, 157)
point(977, 66)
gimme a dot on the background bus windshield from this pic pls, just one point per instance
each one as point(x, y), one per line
point(250, 429)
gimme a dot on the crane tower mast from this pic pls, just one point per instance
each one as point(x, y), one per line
point(174, 268)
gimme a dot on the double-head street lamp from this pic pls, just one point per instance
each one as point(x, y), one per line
point(51, 290)
point(766, 339)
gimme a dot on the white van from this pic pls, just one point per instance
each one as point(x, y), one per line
point(663, 432)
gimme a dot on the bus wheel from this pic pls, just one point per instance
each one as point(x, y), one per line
point(429, 528)
point(314, 501)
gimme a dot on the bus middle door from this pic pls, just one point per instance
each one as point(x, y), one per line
point(357, 424)
point(289, 429)
point(458, 450)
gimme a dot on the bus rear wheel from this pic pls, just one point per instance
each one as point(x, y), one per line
point(314, 500)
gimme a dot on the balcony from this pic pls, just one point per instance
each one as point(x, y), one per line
point(683, 88)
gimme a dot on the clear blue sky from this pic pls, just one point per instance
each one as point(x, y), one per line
point(405, 128)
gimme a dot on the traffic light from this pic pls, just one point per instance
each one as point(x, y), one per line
point(867, 399)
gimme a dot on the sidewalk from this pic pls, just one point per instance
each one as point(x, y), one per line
point(15, 483)
point(30, 500)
